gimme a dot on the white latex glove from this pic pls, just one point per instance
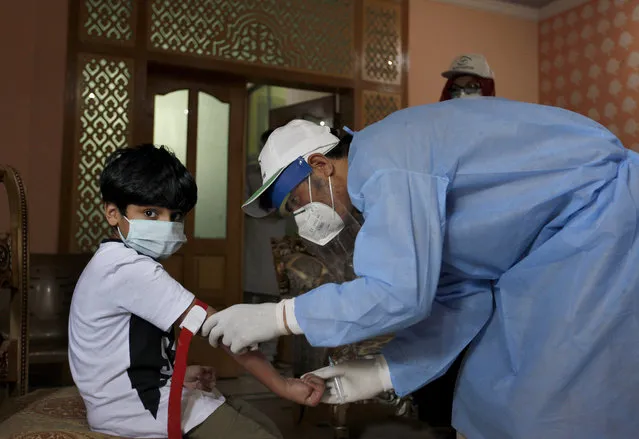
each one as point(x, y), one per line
point(360, 380)
point(241, 326)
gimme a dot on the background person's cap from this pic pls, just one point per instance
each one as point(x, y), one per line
point(471, 64)
point(297, 139)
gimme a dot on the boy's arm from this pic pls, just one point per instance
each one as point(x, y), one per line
point(149, 292)
point(308, 391)
point(209, 312)
point(153, 295)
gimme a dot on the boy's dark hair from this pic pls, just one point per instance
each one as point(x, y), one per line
point(342, 148)
point(147, 175)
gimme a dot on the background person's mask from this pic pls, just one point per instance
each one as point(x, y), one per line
point(467, 91)
point(317, 222)
point(464, 95)
point(156, 239)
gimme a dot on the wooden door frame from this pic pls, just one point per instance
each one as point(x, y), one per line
point(232, 91)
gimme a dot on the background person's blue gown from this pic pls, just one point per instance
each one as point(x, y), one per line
point(509, 226)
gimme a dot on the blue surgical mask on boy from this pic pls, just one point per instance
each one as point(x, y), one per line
point(156, 239)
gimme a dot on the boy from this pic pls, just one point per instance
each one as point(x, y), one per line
point(121, 343)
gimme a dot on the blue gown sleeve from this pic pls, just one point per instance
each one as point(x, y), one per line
point(425, 351)
point(397, 258)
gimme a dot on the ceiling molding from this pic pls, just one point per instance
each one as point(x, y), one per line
point(523, 12)
point(559, 6)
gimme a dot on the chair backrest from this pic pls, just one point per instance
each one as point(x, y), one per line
point(297, 272)
point(51, 283)
point(14, 277)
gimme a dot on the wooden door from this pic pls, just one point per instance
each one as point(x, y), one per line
point(203, 122)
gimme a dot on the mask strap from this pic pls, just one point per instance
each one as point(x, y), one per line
point(120, 231)
point(330, 186)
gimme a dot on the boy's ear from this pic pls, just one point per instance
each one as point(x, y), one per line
point(112, 214)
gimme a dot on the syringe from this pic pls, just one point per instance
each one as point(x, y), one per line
point(338, 383)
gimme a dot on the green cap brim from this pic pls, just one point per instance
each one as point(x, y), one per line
point(252, 205)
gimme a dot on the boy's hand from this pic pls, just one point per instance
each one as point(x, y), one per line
point(200, 378)
point(306, 391)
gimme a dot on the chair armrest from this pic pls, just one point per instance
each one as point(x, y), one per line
point(8, 358)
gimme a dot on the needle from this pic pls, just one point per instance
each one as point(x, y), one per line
point(338, 383)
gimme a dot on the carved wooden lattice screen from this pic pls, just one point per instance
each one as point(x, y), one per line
point(306, 35)
point(108, 21)
point(104, 95)
point(353, 46)
point(383, 63)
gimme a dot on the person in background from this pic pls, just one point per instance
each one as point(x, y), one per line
point(468, 76)
point(260, 281)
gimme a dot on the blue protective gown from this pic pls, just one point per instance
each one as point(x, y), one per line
point(511, 228)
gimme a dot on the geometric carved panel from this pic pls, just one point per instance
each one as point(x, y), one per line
point(107, 20)
point(303, 35)
point(378, 105)
point(382, 42)
point(105, 91)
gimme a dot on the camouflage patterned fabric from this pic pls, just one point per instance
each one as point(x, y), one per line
point(297, 272)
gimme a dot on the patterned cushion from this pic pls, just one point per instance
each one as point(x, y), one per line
point(47, 414)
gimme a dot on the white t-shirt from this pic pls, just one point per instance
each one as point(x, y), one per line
point(122, 346)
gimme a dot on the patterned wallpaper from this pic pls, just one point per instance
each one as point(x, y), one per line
point(589, 63)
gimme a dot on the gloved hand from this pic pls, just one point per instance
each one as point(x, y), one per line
point(360, 380)
point(241, 326)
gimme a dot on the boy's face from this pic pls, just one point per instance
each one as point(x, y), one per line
point(135, 212)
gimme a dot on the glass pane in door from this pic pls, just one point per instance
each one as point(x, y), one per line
point(170, 122)
point(211, 168)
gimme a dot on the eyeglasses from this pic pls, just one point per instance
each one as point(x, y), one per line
point(457, 91)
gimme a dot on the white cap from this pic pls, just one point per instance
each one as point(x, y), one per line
point(298, 138)
point(470, 64)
